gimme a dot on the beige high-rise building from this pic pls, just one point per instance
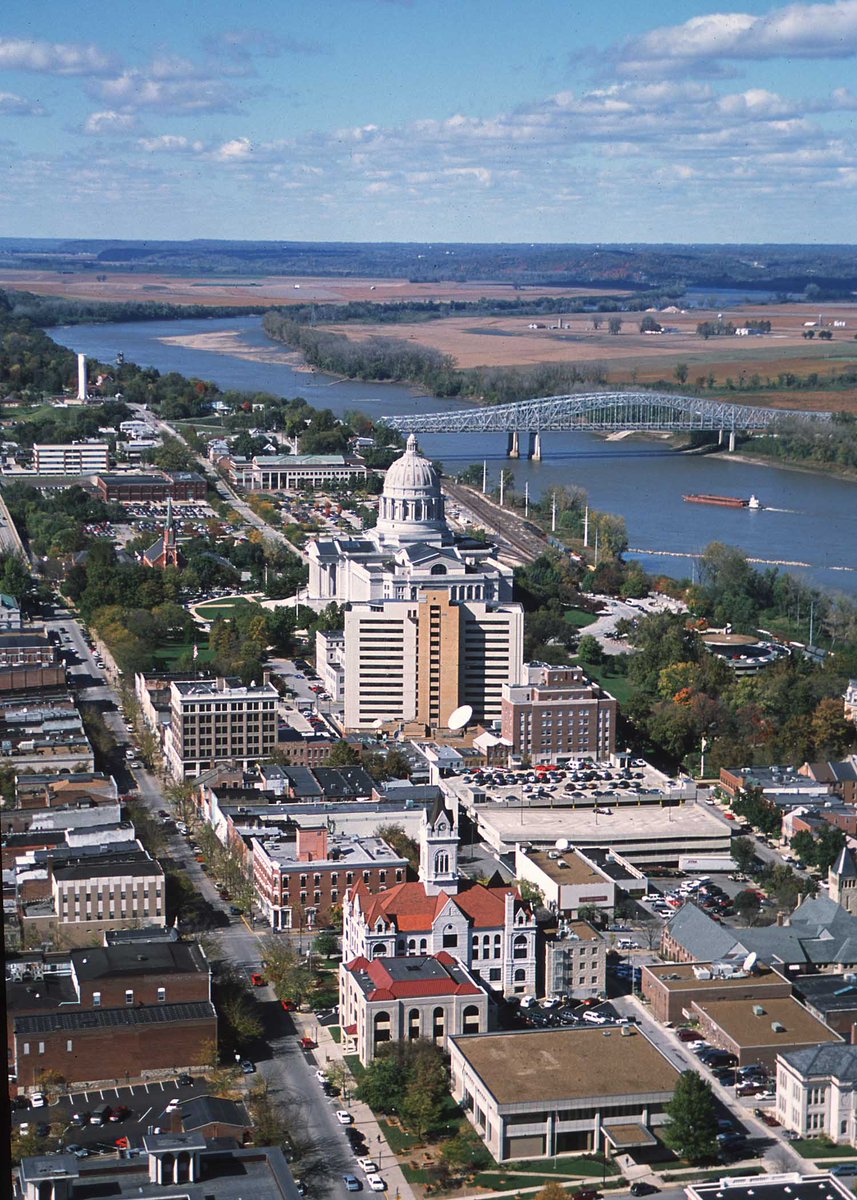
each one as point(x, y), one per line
point(430, 623)
point(219, 720)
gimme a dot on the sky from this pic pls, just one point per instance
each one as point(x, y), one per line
point(430, 120)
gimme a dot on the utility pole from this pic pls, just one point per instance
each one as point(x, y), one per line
point(527, 502)
point(586, 526)
point(811, 620)
point(502, 485)
point(553, 512)
point(484, 476)
point(596, 545)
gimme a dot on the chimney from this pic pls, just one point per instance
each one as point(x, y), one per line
point(311, 844)
point(221, 684)
point(81, 376)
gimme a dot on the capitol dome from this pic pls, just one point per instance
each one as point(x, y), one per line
point(411, 506)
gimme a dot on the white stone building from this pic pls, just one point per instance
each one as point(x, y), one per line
point(489, 929)
point(815, 1092)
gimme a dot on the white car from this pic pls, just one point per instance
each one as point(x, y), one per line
point(37, 1100)
point(367, 1164)
point(376, 1183)
point(343, 1117)
point(173, 1104)
point(320, 1075)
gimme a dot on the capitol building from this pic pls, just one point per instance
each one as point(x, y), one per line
point(430, 623)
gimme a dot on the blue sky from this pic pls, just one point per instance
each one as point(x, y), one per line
point(430, 120)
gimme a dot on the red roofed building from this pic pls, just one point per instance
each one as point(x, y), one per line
point(401, 999)
point(489, 929)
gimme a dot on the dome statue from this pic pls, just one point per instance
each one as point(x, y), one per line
point(411, 508)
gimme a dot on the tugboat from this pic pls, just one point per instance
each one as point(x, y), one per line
point(723, 501)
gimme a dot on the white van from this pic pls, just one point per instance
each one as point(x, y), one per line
point(595, 1018)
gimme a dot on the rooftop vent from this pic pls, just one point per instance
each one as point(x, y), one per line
point(778, 1027)
point(758, 1010)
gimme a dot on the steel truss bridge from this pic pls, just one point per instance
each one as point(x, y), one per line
point(603, 412)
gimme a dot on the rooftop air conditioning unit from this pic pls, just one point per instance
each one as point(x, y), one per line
point(758, 1010)
point(778, 1027)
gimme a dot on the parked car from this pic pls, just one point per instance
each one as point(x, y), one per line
point(352, 1183)
point(344, 1117)
point(185, 1080)
point(248, 1067)
point(120, 1113)
point(376, 1183)
point(367, 1164)
point(258, 980)
point(641, 1188)
point(76, 1150)
point(37, 1099)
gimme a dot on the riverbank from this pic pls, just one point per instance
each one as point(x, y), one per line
point(848, 474)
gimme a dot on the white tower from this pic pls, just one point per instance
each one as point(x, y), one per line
point(439, 850)
point(81, 376)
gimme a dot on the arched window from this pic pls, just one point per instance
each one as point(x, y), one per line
point(414, 1027)
point(381, 1027)
point(519, 946)
point(520, 975)
point(450, 938)
point(182, 1168)
point(412, 945)
point(438, 1024)
point(438, 569)
point(379, 950)
point(441, 862)
point(423, 945)
point(471, 1019)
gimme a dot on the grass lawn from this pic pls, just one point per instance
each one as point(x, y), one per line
point(170, 652)
point(221, 608)
point(336, 1033)
point(580, 619)
point(616, 685)
point(355, 1066)
point(569, 1165)
point(813, 1148)
point(399, 1140)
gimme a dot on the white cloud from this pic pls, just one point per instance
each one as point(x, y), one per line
point(169, 143)
point(109, 122)
point(53, 58)
point(234, 150)
point(169, 86)
point(794, 31)
point(12, 105)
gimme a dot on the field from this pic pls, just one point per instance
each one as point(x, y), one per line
point(634, 357)
point(209, 609)
point(267, 289)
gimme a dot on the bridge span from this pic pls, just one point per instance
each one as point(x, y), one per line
point(602, 412)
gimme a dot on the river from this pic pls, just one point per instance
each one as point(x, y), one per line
point(809, 520)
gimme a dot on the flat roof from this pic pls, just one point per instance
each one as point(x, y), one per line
point(114, 1018)
point(679, 977)
point(739, 1022)
point(646, 822)
point(819, 1186)
point(551, 1066)
point(830, 992)
point(566, 867)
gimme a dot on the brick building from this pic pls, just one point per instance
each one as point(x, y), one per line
point(108, 1011)
point(298, 882)
point(671, 988)
point(26, 648)
point(152, 487)
point(220, 720)
point(558, 713)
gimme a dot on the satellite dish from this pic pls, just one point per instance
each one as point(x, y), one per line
point(750, 961)
point(561, 844)
point(460, 717)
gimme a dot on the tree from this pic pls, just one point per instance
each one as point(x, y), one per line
point(428, 1088)
point(553, 1190)
point(680, 372)
point(650, 325)
point(744, 854)
point(383, 1084)
point(691, 1129)
point(326, 943)
point(400, 842)
point(287, 971)
point(466, 1152)
point(747, 906)
point(590, 651)
point(342, 755)
point(614, 325)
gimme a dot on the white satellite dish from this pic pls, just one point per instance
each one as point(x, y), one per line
point(460, 717)
point(750, 961)
point(561, 844)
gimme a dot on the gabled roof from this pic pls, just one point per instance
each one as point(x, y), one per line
point(199, 1111)
point(408, 978)
point(845, 867)
point(412, 910)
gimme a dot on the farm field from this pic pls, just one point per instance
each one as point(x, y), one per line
point(267, 289)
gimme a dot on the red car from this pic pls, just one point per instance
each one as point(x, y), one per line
point(307, 1043)
point(258, 980)
point(289, 1005)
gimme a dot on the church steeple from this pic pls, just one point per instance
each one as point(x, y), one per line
point(439, 850)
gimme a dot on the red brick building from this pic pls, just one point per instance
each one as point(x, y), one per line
point(151, 488)
point(108, 1012)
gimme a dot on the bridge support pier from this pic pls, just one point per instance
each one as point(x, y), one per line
point(731, 440)
point(719, 437)
point(536, 446)
point(513, 445)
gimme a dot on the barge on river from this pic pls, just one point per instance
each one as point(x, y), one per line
point(723, 501)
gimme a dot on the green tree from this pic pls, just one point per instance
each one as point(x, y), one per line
point(691, 1129)
point(286, 970)
point(342, 755)
point(428, 1088)
point(614, 325)
point(326, 943)
point(590, 651)
point(747, 906)
point(744, 853)
point(383, 1084)
point(465, 1152)
point(398, 840)
point(680, 372)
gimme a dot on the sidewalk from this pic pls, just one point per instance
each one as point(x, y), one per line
point(329, 1052)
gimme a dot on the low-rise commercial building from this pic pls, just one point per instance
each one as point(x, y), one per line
point(757, 1031)
point(789, 1186)
point(557, 714)
point(79, 458)
point(535, 1094)
point(10, 612)
point(400, 999)
point(817, 1092)
point(276, 472)
point(43, 733)
point(671, 988)
point(151, 487)
point(299, 881)
point(832, 998)
point(576, 962)
point(29, 647)
point(567, 879)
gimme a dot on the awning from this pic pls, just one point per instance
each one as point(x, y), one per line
point(627, 1137)
point(351, 1030)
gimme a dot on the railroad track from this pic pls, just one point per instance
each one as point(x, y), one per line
point(509, 529)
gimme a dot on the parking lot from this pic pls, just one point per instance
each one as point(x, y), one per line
point(69, 1122)
point(590, 783)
